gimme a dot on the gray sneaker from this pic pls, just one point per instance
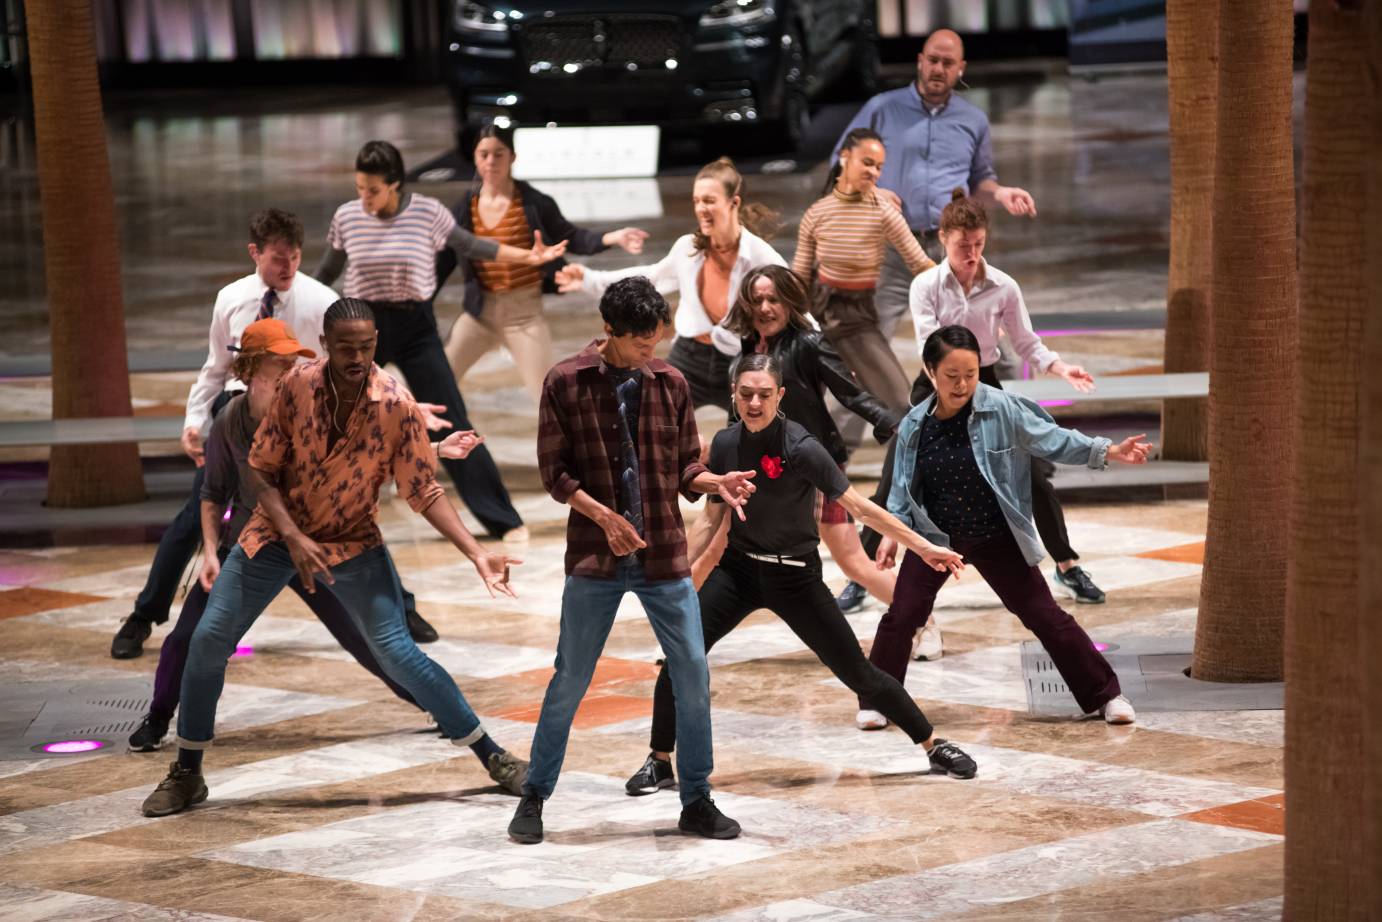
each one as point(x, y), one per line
point(508, 771)
point(182, 788)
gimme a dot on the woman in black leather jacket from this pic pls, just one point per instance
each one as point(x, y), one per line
point(770, 316)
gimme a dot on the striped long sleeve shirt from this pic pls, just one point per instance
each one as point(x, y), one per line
point(842, 236)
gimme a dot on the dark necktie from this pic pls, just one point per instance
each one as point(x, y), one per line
point(266, 305)
point(629, 477)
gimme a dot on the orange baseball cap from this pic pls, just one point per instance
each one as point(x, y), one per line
point(272, 335)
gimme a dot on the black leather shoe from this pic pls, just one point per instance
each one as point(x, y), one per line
point(418, 627)
point(129, 640)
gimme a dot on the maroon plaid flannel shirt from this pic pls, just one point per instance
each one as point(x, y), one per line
point(579, 445)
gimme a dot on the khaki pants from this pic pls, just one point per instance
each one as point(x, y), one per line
point(512, 319)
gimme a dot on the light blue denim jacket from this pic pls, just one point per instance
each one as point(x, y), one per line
point(1006, 430)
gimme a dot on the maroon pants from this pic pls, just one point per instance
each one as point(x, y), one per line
point(1023, 591)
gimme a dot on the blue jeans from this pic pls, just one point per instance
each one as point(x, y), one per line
point(588, 607)
point(366, 586)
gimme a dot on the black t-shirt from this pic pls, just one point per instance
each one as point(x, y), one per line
point(226, 481)
point(791, 466)
point(947, 481)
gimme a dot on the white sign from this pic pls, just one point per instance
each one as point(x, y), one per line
point(594, 152)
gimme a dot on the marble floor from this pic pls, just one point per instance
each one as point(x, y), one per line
point(329, 798)
point(327, 793)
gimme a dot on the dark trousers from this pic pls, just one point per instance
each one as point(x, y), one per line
point(706, 370)
point(1046, 507)
point(1023, 591)
point(173, 656)
point(408, 338)
point(740, 585)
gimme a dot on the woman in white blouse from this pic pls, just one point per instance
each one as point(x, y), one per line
point(965, 290)
point(705, 268)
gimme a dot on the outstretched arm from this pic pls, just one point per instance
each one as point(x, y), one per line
point(493, 568)
point(889, 526)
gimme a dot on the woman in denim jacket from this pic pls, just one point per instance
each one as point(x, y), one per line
point(962, 479)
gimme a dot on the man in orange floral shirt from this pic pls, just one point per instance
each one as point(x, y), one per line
point(337, 432)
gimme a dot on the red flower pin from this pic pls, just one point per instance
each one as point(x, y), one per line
point(771, 466)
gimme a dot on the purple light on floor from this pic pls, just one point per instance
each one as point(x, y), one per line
point(69, 746)
point(243, 650)
point(1101, 647)
point(226, 517)
point(1056, 403)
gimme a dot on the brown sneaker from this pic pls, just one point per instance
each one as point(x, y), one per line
point(508, 771)
point(182, 788)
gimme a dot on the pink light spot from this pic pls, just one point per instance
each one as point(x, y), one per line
point(70, 746)
point(1101, 647)
point(244, 650)
point(226, 517)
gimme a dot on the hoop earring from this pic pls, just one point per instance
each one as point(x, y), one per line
point(780, 414)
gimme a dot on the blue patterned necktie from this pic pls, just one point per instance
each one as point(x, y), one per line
point(266, 305)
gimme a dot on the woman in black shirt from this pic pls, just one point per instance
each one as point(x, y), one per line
point(771, 562)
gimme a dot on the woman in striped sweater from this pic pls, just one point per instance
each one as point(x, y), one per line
point(503, 301)
point(839, 254)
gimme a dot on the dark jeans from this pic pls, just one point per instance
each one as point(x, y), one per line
point(740, 585)
point(1024, 592)
point(1046, 507)
point(176, 547)
point(408, 338)
point(173, 656)
point(706, 370)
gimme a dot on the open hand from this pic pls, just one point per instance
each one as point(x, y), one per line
point(1017, 201)
point(459, 444)
point(629, 239)
point(569, 277)
point(1079, 379)
point(1132, 450)
point(542, 253)
point(431, 416)
point(942, 559)
point(494, 570)
point(735, 489)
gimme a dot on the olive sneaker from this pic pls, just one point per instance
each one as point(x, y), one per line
point(508, 771)
point(182, 788)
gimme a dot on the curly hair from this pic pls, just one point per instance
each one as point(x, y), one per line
point(633, 305)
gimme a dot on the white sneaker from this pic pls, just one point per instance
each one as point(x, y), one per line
point(1118, 711)
point(926, 644)
point(870, 720)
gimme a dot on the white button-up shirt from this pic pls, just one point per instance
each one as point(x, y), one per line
point(679, 271)
point(993, 304)
point(237, 306)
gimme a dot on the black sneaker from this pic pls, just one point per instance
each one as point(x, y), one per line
point(655, 775)
point(1077, 582)
point(851, 597)
point(703, 818)
point(129, 640)
point(526, 825)
point(182, 788)
point(418, 627)
point(149, 734)
point(949, 759)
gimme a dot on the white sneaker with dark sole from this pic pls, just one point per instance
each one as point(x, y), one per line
point(870, 720)
point(926, 644)
point(1118, 711)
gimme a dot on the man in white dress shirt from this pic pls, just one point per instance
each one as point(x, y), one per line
point(275, 289)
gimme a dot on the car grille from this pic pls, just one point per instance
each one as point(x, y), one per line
point(604, 41)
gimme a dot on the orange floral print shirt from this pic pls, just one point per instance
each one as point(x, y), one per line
point(334, 496)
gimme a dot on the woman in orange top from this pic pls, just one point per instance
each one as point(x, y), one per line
point(503, 301)
point(840, 249)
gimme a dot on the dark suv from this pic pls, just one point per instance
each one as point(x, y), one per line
point(681, 64)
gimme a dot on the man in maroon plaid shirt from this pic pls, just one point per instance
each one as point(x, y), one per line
point(617, 441)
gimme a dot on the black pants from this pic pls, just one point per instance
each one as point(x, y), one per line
point(408, 338)
point(706, 370)
point(1046, 507)
point(741, 585)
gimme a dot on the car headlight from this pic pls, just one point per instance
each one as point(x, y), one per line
point(739, 13)
point(474, 17)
